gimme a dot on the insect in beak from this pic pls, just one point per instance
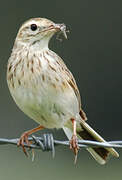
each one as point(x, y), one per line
point(61, 28)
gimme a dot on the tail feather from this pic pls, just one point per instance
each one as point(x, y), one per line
point(100, 154)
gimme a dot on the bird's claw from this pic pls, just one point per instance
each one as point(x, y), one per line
point(46, 144)
point(24, 139)
point(74, 146)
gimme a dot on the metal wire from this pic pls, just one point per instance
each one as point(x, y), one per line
point(47, 143)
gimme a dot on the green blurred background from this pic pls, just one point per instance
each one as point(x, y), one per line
point(93, 52)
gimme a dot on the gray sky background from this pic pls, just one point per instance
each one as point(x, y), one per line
point(93, 52)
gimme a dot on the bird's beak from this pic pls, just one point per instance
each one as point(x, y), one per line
point(59, 28)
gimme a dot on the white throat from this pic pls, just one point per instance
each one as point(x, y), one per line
point(41, 44)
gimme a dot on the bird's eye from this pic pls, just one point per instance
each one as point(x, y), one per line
point(33, 27)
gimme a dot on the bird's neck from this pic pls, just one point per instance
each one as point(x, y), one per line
point(40, 45)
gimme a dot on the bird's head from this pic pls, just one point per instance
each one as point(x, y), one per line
point(38, 30)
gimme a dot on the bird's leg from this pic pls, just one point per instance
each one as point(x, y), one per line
point(73, 141)
point(24, 138)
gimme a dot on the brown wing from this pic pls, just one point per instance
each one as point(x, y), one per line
point(71, 81)
point(73, 84)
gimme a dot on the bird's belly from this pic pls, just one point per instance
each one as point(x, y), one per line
point(47, 108)
point(44, 93)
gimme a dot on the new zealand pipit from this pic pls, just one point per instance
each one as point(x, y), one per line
point(44, 88)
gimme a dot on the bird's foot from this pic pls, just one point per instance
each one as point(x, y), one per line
point(24, 139)
point(74, 146)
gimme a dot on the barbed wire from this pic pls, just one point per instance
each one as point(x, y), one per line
point(47, 143)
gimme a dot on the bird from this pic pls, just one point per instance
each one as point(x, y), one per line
point(43, 87)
